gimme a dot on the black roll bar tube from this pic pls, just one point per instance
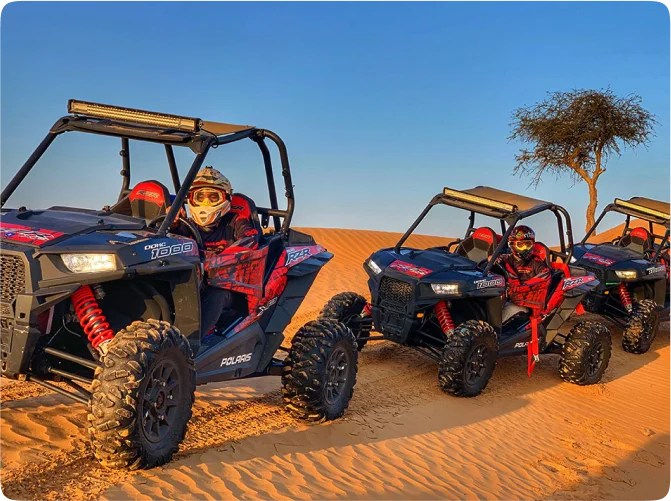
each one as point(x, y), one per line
point(560, 227)
point(173, 166)
point(270, 177)
point(27, 166)
point(125, 167)
point(286, 174)
point(184, 190)
point(414, 225)
point(662, 244)
point(568, 248)
point(607, 209)
point(501, 246)
point(471, 224)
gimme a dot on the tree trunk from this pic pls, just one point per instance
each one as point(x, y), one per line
point(591, 207)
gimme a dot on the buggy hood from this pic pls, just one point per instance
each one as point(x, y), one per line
point(435, 265)
point(44, 228)
point(607, 255)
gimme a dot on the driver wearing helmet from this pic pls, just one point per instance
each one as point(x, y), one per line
point(528, 274)
point(209, 204)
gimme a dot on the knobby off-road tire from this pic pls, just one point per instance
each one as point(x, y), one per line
point(468, 359)
point(320, 371)
point(142, 396)
point(641, 327)
point(343, 307)
point(585, 354)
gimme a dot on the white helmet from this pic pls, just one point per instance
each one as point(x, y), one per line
point(209, 197)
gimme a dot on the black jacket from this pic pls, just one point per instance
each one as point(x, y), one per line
point(525, 271)
point(231, 229)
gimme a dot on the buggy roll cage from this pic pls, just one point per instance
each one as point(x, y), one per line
point(507, 207)
point(169, 130)
point(640, 208)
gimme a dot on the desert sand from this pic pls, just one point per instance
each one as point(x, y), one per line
point(402, 437)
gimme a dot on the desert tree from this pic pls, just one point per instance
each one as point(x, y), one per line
point(575, 133)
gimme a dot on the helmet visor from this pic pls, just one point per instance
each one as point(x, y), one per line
point(208, 197)
point(523, 245)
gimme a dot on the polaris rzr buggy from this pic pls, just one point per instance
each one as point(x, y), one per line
point(108, 301)
point(448, 302)
point(633, 270)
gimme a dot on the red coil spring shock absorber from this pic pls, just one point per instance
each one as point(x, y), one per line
point(368, 309)
point(625, 298)
point(444, 318)
point(91, 317)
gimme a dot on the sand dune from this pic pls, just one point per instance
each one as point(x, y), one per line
point(402, 437)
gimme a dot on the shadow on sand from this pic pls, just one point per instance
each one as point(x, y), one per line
point(393, 380)
point(643, 475)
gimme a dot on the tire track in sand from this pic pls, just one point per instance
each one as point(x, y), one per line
point(77, 475)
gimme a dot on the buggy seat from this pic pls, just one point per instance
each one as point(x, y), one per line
point(146, 200)
point(480, 245)
point(245, 207)
point(559, 271)
point(638, 239)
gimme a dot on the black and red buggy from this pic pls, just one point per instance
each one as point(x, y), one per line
point(449, 302)
point(107, 302)
point(633, 270)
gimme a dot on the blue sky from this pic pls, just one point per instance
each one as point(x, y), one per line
point(380, 104)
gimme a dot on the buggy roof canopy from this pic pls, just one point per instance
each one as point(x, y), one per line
point(490, 201)
point(644, 208)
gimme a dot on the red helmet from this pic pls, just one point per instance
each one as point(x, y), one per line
point(521, 241)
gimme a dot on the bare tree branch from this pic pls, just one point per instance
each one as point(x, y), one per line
point(575, 133)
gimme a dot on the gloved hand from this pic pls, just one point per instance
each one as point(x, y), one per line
point(180, 214)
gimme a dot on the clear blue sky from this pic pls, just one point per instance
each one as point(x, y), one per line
point(380, 104)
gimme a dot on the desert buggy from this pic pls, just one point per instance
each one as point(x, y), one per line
point(108, 301)
point(633, 270)
point(448, 302)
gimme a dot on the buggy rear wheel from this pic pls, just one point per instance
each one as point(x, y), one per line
point(142, 396)
point(641, 328)
point(347, 307)
point(468, 359)
point(320, 371)
point(585, 353)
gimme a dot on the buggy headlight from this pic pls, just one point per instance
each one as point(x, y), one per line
point(374, 267)
point(572, 260)
point(445, 288)
point(626, 274)
point(89, 263)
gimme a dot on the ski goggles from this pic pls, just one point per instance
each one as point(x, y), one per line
point(207, 197)
point(523, 245)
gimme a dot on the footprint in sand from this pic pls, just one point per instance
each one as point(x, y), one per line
point(647, 457)
point(619, 475)
point(614, 444)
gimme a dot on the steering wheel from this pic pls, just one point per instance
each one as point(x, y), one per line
point(496, 268)
point(192, 229)
point(648, 253)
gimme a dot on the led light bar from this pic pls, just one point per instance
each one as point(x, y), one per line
point(459, 195)
point(131, 115)
point(639, 208)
